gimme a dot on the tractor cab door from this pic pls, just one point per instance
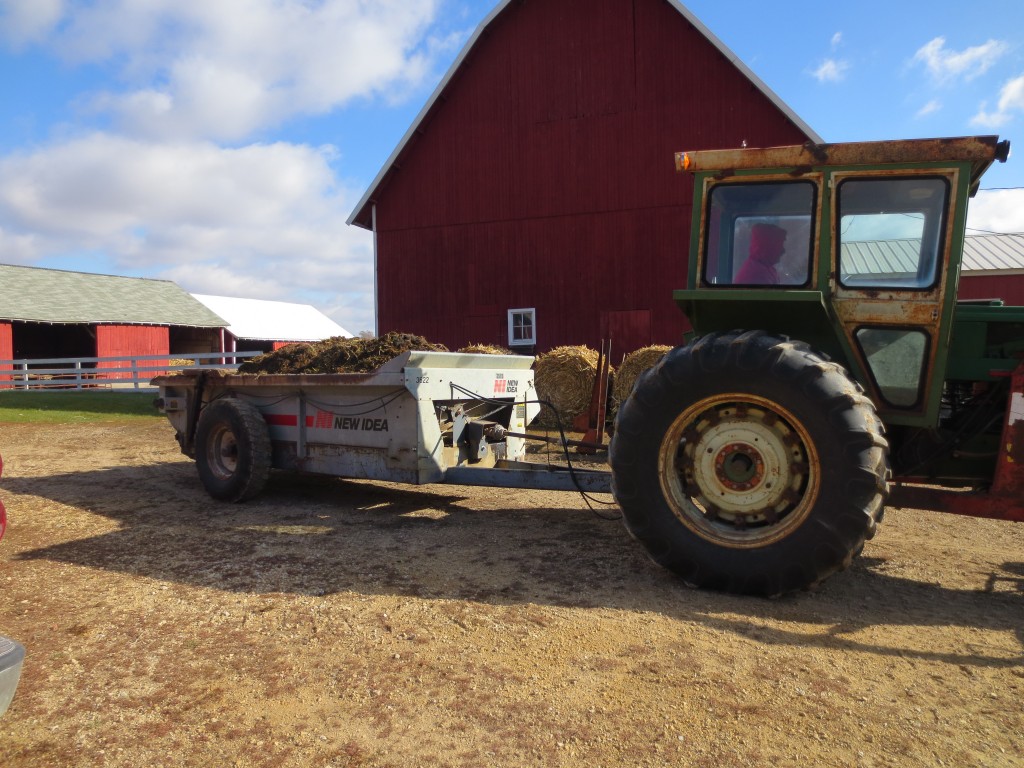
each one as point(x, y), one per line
point(892, 283)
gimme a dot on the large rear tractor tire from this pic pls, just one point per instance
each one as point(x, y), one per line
point(749, 463)
point(232, 450)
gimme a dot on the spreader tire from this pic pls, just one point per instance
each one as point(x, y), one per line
point(749, 463)
point(232, 450)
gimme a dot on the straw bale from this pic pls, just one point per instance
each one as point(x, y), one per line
point(564, 377)
point(633, 365)
point(338, 355)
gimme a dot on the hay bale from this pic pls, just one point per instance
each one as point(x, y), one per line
point(633, 365)
point(484, 349)
point(564, 377)
point(338, 354)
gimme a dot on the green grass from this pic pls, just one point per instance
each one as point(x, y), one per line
point(75, 407)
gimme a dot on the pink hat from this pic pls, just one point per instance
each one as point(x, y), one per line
point(767, 238)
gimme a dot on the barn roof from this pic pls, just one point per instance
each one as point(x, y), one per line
point(983, 254)
point(262, 320)
point(32, 294)
point(361, 218)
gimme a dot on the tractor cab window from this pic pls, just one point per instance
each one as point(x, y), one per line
point(759, 234)
point(890, 232)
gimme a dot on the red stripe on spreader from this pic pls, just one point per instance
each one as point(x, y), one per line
point(284, 420)
point(280, 420)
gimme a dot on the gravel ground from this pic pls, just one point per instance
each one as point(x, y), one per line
point(335, 623)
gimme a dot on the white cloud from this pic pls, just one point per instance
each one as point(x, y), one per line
point(837, 40)
point(227, 69)
point(1012, 95)
point(23, 22)
point(152, 192)
point(930, 108)
point(261, 221)
point(989, 120)
point(997, 211)
point(831, 71)
point(1011, 99)
point(945, 65)
point(18, 248)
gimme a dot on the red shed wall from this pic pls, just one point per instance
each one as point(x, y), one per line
point(544, 176)
point(6, 350)
point(122, 340)
point(1009, 288)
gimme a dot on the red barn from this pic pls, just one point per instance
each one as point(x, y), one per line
point(534, 199)
point(993, 268)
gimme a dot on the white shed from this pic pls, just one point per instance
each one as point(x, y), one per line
point(257, 324)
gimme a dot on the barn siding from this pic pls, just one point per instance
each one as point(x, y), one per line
point(1009, 288)
point(122, 340)
point(544, 176)
point(6, 351)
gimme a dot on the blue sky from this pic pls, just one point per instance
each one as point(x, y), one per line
point(223, 144)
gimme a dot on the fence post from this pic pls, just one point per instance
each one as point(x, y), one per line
point(24, 375)
point(78, 374)
point(135, 372)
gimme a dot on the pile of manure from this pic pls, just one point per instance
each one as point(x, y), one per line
point(484, 349)
point(338, 355)
point(564, 378)
point(633, 365)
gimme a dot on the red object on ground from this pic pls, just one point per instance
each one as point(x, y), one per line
point(3, 512)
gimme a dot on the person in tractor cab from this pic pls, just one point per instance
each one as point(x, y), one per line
point(767, 244)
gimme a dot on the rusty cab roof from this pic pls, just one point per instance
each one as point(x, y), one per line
point(980, 151)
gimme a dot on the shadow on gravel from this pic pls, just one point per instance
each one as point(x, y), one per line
point(319, 536)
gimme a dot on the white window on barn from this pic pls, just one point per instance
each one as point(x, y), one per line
point(522, 327)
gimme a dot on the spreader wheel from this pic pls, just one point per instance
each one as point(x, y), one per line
point(232, 450)
point(749, 463)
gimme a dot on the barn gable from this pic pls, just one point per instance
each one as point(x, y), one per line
point(540, 175)
point(597, 94)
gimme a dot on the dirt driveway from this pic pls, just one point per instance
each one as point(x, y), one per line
point(333, 623)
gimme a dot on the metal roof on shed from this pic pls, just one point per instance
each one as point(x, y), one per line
point(982, 254)
point(365, 220)
point(986, 253)
point(263, 320)
point(881, 257)
point(32, 294)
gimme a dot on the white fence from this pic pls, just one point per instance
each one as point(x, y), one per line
point(128, 372)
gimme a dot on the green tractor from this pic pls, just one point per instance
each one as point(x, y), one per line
point(831, 370)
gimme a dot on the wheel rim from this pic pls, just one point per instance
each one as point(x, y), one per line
point(739, 470)
point(222, 452)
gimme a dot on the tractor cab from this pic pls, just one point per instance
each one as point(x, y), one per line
point(853, 248)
